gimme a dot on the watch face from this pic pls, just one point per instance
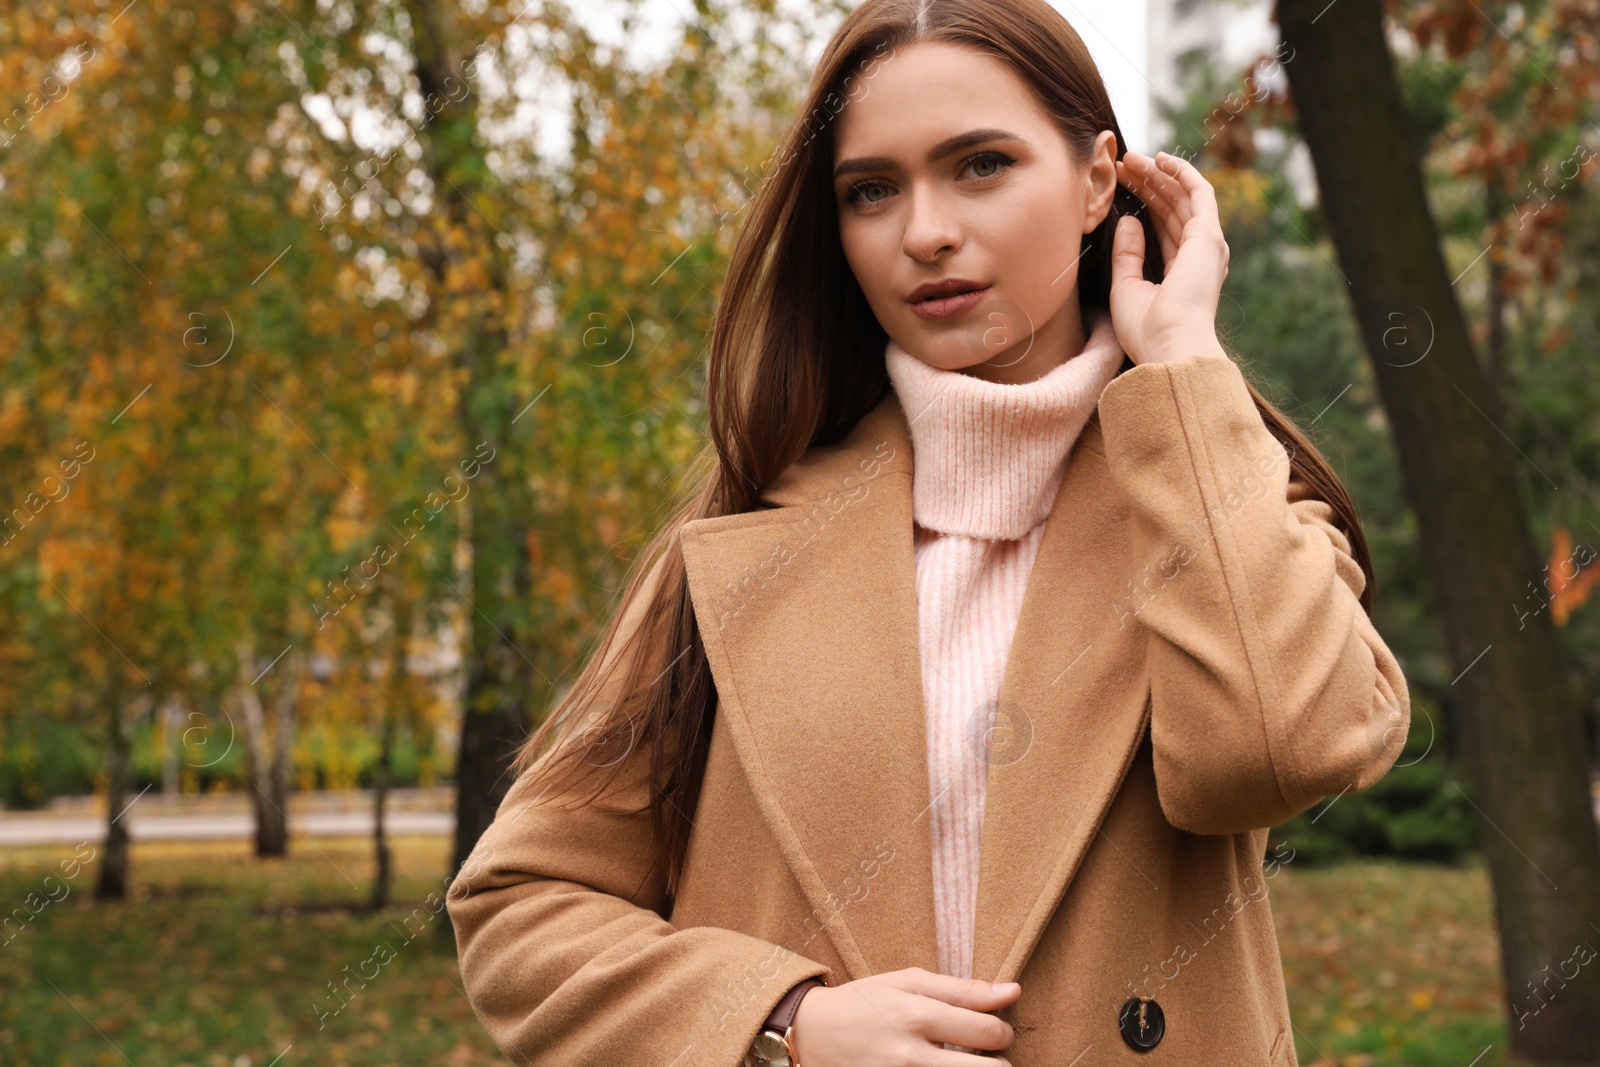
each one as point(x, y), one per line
point(768, 1048)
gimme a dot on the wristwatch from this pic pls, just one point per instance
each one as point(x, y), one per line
point(772, 1048)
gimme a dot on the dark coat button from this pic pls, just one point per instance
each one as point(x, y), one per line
point(1141, 1023)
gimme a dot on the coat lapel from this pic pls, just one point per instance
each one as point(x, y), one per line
point(1071, 713)
point(808, 613)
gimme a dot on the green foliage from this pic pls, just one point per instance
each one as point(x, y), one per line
point(1414, 812)
point(1419, 811)
point(43, 757)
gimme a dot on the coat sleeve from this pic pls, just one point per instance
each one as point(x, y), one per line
point(564, 951)
point(1270, 688)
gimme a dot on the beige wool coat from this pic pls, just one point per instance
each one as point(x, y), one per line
point(1190, 666)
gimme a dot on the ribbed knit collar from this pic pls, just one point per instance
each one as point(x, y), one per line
point(987, 457)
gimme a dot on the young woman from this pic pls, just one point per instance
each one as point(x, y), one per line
point(946, 723)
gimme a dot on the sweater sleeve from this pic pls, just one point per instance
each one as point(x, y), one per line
point(564, 950)
point(1270, 688)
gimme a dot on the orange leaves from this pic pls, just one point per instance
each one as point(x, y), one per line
point(1520, 81)
point(1573, 574)
point(558, 587)
point(535, 550)
point(1458, 28)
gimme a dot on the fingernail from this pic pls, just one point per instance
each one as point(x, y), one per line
point(1005, 987)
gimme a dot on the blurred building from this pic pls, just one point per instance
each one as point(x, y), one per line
point(1185, 37)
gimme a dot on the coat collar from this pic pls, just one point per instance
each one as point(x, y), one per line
point(808, 613)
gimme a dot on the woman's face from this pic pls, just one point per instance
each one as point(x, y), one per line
point(947, 171)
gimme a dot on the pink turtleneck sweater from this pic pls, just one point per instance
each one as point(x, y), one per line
point(987, 460)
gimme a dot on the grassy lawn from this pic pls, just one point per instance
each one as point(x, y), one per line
point(220, 960)
point(223, 961)
point(1391, 965)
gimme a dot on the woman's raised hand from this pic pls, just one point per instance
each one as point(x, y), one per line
point(1176, 317)
point(903, 1019)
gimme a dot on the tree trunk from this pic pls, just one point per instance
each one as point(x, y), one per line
point(1495, 365)
point(1522, 741)
point(268, 782)
point(171, 716)
point(494, 718)
point(380, 795)
point(112, 881)
point(394, 699)
point(285, 708)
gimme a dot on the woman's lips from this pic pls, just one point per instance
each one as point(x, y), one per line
point(947, 306)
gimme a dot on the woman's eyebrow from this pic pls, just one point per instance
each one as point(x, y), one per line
point(936, 153)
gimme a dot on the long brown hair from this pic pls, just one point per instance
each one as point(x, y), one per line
point(796, 359)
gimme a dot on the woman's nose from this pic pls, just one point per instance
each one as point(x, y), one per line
point(932, 225)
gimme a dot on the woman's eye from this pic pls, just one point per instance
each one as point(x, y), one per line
point(995, 161)
point(998, 159)
point(858, 191)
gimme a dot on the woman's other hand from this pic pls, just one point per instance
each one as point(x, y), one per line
point(903, 1019)
point(1176, 317)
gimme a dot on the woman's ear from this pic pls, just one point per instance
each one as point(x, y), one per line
point(1100, 180)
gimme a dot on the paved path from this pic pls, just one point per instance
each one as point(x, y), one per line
point(30, 829)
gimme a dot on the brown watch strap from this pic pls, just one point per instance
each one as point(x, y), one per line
point(782, 1016)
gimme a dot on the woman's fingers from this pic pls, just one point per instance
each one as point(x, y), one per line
point(1177, 194)
point(946, 1023)
point(1159, 193)
point(1127, 252)
point(1162, 180)
point(957, 1010)
point(1197, 205)
point(971, 993)
point(1161, 221)
point(1153, 205)
point(1183, 206)
point(904, 1018)
point(1200, 200)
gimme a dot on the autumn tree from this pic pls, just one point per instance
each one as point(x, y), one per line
point(1522, 738)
